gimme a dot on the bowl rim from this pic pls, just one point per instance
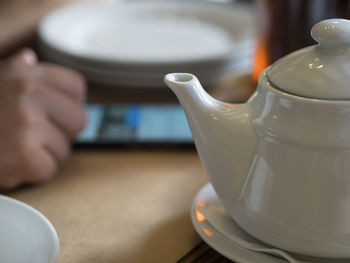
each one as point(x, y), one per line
point(43, 220)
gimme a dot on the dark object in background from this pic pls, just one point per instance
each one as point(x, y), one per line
point(284, 26)
point(135, 126)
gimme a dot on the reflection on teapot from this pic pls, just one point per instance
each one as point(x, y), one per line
point(280, 163)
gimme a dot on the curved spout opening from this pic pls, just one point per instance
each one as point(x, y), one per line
point(179, 79)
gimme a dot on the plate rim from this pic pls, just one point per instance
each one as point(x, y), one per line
point(246, 44)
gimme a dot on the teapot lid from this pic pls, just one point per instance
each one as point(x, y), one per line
point(321, 71)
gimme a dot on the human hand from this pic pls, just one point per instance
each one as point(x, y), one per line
point(41, 111)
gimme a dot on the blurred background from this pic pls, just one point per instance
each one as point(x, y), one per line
point(125, 47)
point(281, 25)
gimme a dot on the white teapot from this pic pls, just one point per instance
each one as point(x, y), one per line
point(280, 163)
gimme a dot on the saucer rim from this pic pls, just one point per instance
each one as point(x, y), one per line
point(198, 225)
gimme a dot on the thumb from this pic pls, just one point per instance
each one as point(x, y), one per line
point(25, 56)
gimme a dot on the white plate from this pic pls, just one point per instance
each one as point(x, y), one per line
point(26, 236)
point(143, 76)
point(206, 199)
point(149, 32)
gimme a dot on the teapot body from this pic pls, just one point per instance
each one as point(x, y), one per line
point(280, 163)
point(296, 195)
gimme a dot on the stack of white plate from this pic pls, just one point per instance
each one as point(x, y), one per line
point(135, 43)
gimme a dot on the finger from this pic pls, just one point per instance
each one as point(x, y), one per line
point(10, 176)
point(25, 56)
point(64, 80)
point(39, 164)
point(54, 141)
point(9, 180)
point(68, 115)
point(26, 161)
point(26, 120)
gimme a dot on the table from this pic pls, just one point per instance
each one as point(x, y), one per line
point(121, 206)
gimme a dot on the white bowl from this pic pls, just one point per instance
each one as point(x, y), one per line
point(26, 236)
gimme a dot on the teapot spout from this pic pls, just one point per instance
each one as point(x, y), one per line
point(188, 89)
point(223, 133)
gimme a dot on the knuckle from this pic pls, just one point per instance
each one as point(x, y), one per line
point(10, 65)
point(80, 121)
point(37, 164)
point(64, 151)
point(83, 119)
point(13, 183)
point(67, 151)
point(80, 85)
point(23, 85)
point(27, 117)
point(47, 170)
point(10, 183)
point(25, 150)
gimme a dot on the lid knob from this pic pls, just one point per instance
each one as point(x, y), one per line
point(321, 71)
point(332, 33)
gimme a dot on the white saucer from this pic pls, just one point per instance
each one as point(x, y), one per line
point(207, 201)
point(221, 232)
point(25, 234)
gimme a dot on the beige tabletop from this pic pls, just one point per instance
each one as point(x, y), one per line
point(121, 206)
